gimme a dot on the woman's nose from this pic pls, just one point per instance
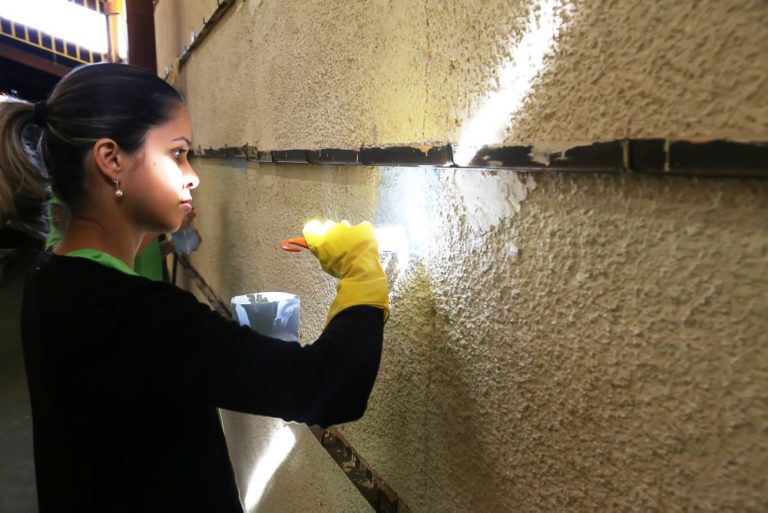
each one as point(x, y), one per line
point(191, 180)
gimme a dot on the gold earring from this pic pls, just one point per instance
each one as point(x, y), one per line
point(118, 192)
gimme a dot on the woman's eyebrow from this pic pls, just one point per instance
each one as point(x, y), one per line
point(182, 138)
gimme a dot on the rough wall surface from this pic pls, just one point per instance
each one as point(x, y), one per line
point(602, 349)
point(649, 69)
point(557, 343)
point(330, 73)
point(172, 38)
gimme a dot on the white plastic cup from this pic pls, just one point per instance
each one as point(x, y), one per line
point(275, 314)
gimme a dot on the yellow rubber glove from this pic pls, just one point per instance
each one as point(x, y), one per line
point(350, 253)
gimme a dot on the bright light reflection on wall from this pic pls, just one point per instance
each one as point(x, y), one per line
point(405, 216)
point(393, 240)
point(516, 78)
point(280, 445)
point(66, 20)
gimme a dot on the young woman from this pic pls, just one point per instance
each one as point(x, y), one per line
point(125, 374)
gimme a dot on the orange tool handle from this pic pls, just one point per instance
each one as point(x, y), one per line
point(294, 245)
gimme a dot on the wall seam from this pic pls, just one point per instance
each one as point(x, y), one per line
point(713, 158)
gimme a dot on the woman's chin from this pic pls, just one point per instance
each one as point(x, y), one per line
point(168, 223)
point(164, 227)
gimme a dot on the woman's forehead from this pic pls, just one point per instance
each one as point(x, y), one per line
point(177, 128)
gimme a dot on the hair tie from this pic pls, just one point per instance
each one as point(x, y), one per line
point(38, 117)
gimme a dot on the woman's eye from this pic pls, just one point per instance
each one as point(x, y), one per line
point(178, 153)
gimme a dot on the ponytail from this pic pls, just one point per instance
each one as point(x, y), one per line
point(23, 183)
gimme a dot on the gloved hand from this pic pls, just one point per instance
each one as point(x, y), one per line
point(350, 253)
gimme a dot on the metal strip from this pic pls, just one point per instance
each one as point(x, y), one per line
point(602, 157)
point(370, 485)
point(713, 158)
point(407, 156)
point(290, 157)
point(334, 157)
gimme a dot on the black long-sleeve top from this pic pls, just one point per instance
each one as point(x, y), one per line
point(125, 375)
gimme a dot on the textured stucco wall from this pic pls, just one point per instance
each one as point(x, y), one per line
point(330, 73)
point(557, 343)
point(603, 349)
point(187, 18)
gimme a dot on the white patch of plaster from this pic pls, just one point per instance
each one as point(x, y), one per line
point(546, 152)
point(513, 250)
point(490, 197)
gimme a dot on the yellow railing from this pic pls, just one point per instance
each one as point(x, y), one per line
point(57, 46)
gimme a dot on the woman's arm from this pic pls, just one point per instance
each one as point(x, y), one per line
point(198, 355)
point(324, 383)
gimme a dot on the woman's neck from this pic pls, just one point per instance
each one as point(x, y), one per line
point(114, 238)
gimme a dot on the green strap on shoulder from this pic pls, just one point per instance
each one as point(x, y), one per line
point(102, 258)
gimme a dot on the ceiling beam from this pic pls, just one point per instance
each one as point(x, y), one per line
point(32, 60)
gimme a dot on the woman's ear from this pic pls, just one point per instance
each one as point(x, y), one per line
point(109, 158)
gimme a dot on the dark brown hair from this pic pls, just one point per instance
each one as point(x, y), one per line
point(117, 101)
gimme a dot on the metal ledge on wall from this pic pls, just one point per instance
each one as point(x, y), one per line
point(368, 483)
point(290, 157)
point(334, 157)
point(714, 158)
point(438, 156)
point(600, 157)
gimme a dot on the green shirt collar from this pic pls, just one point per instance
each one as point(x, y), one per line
point(102, 258)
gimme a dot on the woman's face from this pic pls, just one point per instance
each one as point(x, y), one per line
point(158, 189)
